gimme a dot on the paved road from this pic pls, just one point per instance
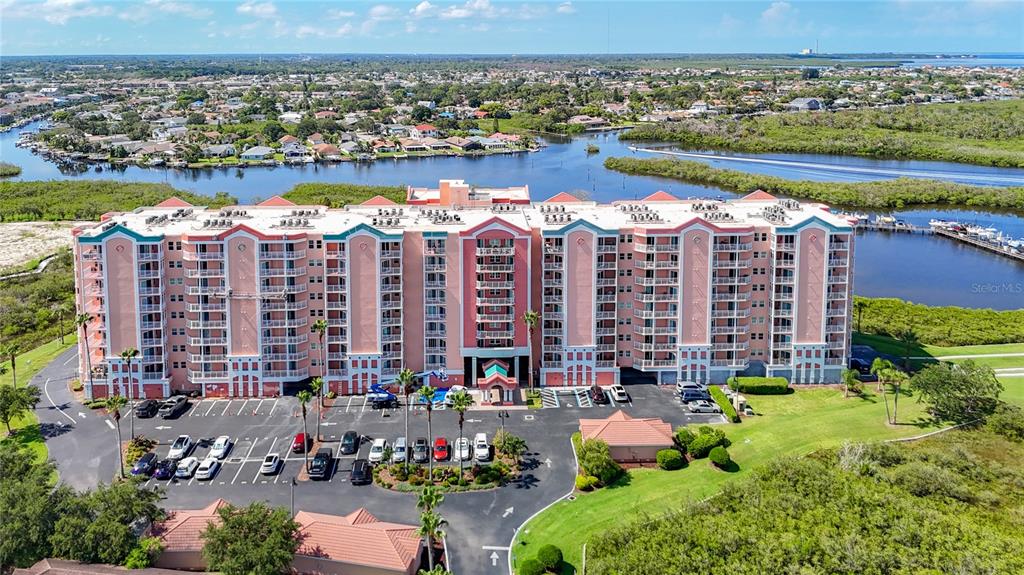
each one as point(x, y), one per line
point(481, 524)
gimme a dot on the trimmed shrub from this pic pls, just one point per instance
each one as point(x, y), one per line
point(723, 402)
point(707, 439)
point(684, 437)
point(1007, 420)
point(596, 460)
point(586, 482)
point(670, 459)
point(760, 385)
point(550, 557)
point(530, 567)
point(720, 456)
point(76, 386)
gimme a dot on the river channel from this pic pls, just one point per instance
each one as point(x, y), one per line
point(924, 269)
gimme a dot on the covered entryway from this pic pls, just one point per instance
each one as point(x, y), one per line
point(496, 385)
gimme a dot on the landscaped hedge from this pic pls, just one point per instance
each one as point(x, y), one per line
point(760, 385)
point(530, 567)
point(723, 402)
point(720, 457)
point(670, 459)
point(586, 482)
point(550, 557)
point(706, 439)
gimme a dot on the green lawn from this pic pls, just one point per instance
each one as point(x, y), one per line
point(891, 346)
point(795, 424)
point(29, 363)
point(1013, 390)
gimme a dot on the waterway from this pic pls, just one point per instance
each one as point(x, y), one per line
point(930, 270)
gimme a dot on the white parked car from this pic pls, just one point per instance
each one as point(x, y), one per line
point(180, 448)
point(461, 450)
point(186, 467)
point(451, 391)
point(221, 447)
point(398, 453)
point(208, 468)
point(481, 449)
point(270, 464)
point(690, 386)
point(618, 393)
point(702, 406)
point(377, 450)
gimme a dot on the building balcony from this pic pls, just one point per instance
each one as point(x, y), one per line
point(390, 254)
point(149, 256)
point(266, 290)
point(505, 301)
point(92, 256)
point(285, 340)
point(653, 248)
point(733, 264)
point(204, 273)
point(783, 296)
point(390, 287)
point(500, 317)
point(607, 248)
point(494, 268)
point(206, 324)
point(151, 325)
point(435, 267)
point(835, 312)
point(391, 304)
point(207, 375)
point(334, 270)
point(553, 249)
point(282, 254)
point(391, 338)
point(219, 291)
point(435, 350)
point(730, 312)
point(656, 297)
point(731, 280)
point(389, 321)
point(334, 254)
point(151, 308)
point(604, 331)
point(337, 321)
point(653, 281)
point(436, 300)
point(152, 342)
point(839, 262)
point(734, 363)
point(783, 312)
point(494, 334)
point(600, 315)
point(293, 322)
point(837, 279)
point(782, 329)
point(734, 296)
point(785, 280)
point(656, 265)
point(606, 265)
point(286, 373)
point(837, 344)
point(832, 328)
point(207, 357)
point(434, 250)
point(93, 273)
point(204, 341)
point(837, 296)
point(734, 247)
point(334, 288)
point(502, 284)
point(653, 363)
point(201, 307)
point(282, 272)
point(730, 346)
point(296, 356)
point(605, 298)
point(148, 274)
point(190, 256)
point(604, 282)
point(655, 330)
point(652, 347)
point(435, 284)
point(273, 305)
point(500, 251)
point(729, 329)
point(655, 314)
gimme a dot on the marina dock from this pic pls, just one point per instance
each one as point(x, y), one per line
point(1001, 249)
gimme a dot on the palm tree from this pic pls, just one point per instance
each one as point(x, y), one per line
point(859, 306)
point(460, 402)
point(304, 397)
point(879, 368)
point(426, 393)
point(82, 322)
point(126, 356)
point(317, 384)
point(114, 403)
point(531, 319)
point(405, 379)
point(909, 339)
point(58, 310)
point(851, 381)
point(320, 328)
point(897, 378)
point(11, 351)
point(430, 528)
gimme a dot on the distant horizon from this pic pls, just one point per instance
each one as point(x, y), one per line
point(500, 27)
point(794, 55)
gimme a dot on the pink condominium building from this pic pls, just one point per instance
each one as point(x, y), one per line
point(222, 301)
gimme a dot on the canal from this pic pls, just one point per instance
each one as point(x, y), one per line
point(924, 269)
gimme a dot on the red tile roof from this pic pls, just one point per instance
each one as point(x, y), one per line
point(277, 202)
point(359, 538)
point(174, 203)
point(621, 430)
point(181, 530)
point(64, 567)
point(378, 200)
point(661, 197)
point(758, 195)
point(426, 128)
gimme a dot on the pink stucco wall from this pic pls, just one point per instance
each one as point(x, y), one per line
point(521, 275)
point(579, 301)
point(243, 313)
point(468, 293)
point(365, 294)
point(811, 254)
point(454, 299)
point(695, 268)
point(122, 302)
point(412, 300)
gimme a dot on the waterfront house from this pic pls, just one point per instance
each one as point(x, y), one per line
point(315, 138)
point(629, 439)
point(287, 139)
point(348, 148)
point(294, 151)
point(327, 152)
point(588, 122)
point(412, 145)
point(804, 104)
point(219, 151)
point(325, 115)
point(489, 143)
point(435, 144)
point(424, 131)
point(257, 153)
point(383, 147)
point(463, 144)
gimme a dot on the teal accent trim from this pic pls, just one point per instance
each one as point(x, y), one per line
point(116, 229)
point(363, 228)
point(814, 220)
point(578, 223)
point(495, 369)
point(435, 235)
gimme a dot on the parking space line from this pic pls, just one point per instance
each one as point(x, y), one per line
point(195, 408)
point(349, 404)
point(242, 465)
point(245, 402)
point(226, 406)
point(258, 406)
point(212, 404)
point(273, 407)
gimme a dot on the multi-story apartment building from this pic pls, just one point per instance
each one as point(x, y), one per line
point(223, 301)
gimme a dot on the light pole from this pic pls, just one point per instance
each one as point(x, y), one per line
point(293, 496)
point(502, 416)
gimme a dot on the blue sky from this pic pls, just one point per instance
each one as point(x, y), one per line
point(493, 26)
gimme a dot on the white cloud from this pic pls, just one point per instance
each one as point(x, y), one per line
point(777, 11)
point(53, 11)
point(566, 8)
point(423, 10)
point(337, 14)
point(483, 9)
point(307, 31)
point(257, 9)
point(383, 12)
point(151, 8)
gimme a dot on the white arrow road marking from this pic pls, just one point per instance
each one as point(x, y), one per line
point(548, 462)
point(508, 512)
point(494, 558)
point(109, 423)
point(473, 420)
point(326, 423)
point(163, 427)
point(82, 415)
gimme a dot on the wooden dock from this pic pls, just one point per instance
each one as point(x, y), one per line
point(911, 229)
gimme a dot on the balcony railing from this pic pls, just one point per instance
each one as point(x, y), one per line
point(839, 262)
point(500, 285)
point(494, 334)
point(733, 363)
point(494, 268)
point(201, 256)
point(729, 329)
point(655, 314)
point(656, 297)
point(203, 341)
point(640, 363)
point(273, 305)
point(735, 296)
point(282, 254)
point(655, 281)
point(783, 312)
point(651, 248)
point(293, 322)
point(643, 346)
point(655, 330)
point(835, 329)
point(607, 248)
point(204, 290)
point(207, 375)
point(730, 346)
point(495, 318)
point(509, 301)
point(206, 324)
point(281, 289)
point(390, 254)
point(286, 373)
point(734, 247)
point(785, 280)
point(282, 272)
point(207, 357)
point(285, 340)
point(733, 264)
point(837, 279)
point(730, 312)
point(657, 264)
point(148, 274)
point(297, 356)
point(731, 280)
point(501, 251)
point(148, 256)
point(206, 273)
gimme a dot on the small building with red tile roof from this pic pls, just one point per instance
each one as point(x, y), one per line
point(357, 543)
point(174, 202)
point(65, 567)
point(287, 139)
point(629, 439)
point(378, 200)
point(758, 196)
point(180, 535)
point(562, 198)
point(660, 196)
point(276, 202)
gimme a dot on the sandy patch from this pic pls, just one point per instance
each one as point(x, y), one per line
point(21, 242)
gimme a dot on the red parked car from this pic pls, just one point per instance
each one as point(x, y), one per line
point(441, 450)
point(301, 443)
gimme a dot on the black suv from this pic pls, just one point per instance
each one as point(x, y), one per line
point(349, 443)
point(320, 467)
point(173, 407)
point(693, 395)
point(361, 474)
point(147, 408)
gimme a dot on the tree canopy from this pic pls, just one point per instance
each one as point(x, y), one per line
point(253, 540)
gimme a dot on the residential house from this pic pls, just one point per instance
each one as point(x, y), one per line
point(66, 567)
point(463, 144)
point(804, 104)
point(588, 122)
point(426, 104)
point(424, 131)
point(412, 145)
point(435, 144)
point(219, 151)
point(629, 439)
point(509, 138)
point(315, 138)
point(287, 139)
point(294, 151)
point(327, 152)
point(383, 147)
point(257, 153)
point(325, 115)
point(349, 148)
point(290, 118)
point(489, 143)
